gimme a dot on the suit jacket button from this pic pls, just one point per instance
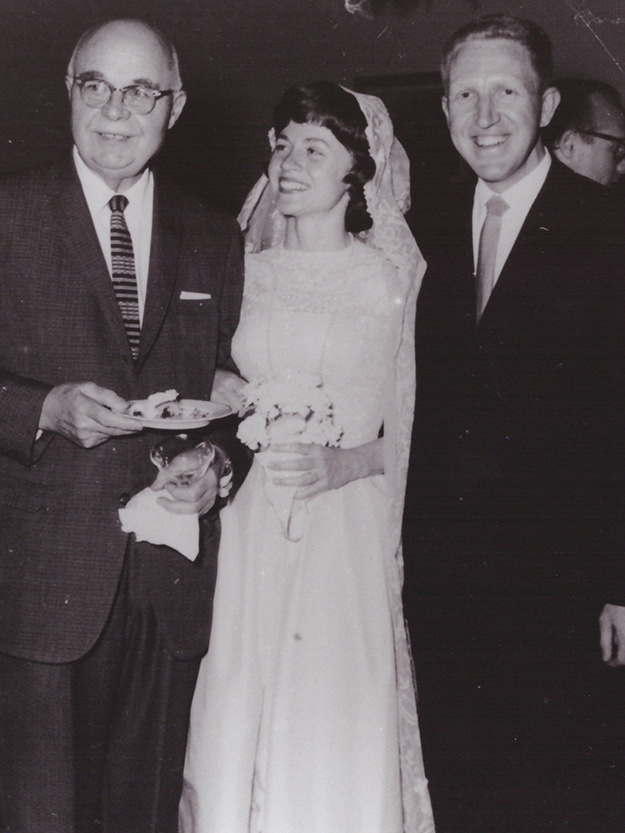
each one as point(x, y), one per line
point(124, 498)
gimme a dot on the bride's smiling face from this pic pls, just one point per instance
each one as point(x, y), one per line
point(307, 171)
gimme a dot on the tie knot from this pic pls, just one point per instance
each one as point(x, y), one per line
point(497, 206)
point(118, 202)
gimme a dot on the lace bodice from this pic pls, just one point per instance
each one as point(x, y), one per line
point(331, 315)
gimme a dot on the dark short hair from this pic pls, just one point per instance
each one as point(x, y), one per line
point(508, 27)
point(576, 110)
point(329, 105)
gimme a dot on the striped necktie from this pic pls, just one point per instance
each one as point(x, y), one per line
point(123, 272)
point(496, 207)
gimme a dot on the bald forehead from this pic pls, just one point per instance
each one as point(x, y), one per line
point(607, 116)
point(133, 38)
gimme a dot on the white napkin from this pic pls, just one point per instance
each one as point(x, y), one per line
point(151, 522)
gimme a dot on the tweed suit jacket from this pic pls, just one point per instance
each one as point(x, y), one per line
point(61, 544)
point(519, 426)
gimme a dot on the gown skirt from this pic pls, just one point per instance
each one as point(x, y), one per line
point(295, 712)
point(304, 711)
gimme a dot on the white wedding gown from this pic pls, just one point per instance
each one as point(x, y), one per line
point(296, 718)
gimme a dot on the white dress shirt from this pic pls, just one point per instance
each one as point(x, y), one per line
point(138, 215)
point(520, 198)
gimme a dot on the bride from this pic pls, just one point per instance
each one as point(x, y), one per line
point(304, 716)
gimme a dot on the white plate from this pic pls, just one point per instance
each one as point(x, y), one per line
point(210, 411)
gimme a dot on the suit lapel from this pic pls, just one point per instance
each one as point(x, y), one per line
point(79, 236)
point(534, 233)
point(466, 244)
point(69, 204)
point(464, 268)
point(165, 248)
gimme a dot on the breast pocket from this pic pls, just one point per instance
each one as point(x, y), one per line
point(196, 314)
point(197, 335)
point(22, 495)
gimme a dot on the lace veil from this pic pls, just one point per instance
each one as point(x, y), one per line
point(388, 197)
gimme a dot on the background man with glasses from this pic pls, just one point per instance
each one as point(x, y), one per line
point(101, 636)
point(587, 132)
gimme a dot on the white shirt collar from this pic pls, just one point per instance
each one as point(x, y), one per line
point(520, 198)
point(522, 194)
point(98, 193)
point(138, 216)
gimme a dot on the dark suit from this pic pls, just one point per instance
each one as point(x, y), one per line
point(62, 551)
point(513, 519)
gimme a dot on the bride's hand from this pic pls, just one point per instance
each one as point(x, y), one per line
point(316, 468)
point(227, 389)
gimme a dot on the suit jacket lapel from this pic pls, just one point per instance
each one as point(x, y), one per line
point(464, 266)
point(79, 236)
point(167, 234)
point(466, 243)
point(536, 228)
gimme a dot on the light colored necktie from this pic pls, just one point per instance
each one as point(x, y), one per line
point(487, 252)
point(123, 272)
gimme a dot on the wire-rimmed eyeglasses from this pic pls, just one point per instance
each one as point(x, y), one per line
point(138, 99)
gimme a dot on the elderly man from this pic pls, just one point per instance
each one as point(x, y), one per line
point(587, 132)
point(513, 531)
point(114, 286)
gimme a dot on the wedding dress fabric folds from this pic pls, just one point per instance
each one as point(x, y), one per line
point(304, 718)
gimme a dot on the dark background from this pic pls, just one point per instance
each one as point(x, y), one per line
point(238, 55)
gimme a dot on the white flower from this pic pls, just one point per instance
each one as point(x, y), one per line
point(286, 428)
point(295, 408)
point(253, 431)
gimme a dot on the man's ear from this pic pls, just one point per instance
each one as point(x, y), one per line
point(550, 101)
point(445, 106)
point(179, 100)
point(567, 145)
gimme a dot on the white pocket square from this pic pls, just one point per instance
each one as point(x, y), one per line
point(195, 296)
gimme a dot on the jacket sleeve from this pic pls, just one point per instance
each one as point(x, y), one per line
point(231, 298)
point(21, 401)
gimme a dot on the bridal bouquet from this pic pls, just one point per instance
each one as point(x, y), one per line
point(295, 408)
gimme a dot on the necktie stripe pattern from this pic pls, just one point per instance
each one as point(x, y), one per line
point(123, 272)
point(496, 207)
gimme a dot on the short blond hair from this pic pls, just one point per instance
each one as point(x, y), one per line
point(506, 27)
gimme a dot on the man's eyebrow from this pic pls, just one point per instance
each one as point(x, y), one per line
point(144, 82)
point(95, 75)
point(90, 74)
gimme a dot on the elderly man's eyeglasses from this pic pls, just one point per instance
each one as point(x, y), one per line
point(617, 141)
point(96, 93)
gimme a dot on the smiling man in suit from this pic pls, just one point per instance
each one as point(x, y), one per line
point(512, 520)
point(114, 285)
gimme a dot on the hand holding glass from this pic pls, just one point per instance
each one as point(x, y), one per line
point(182, 459)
